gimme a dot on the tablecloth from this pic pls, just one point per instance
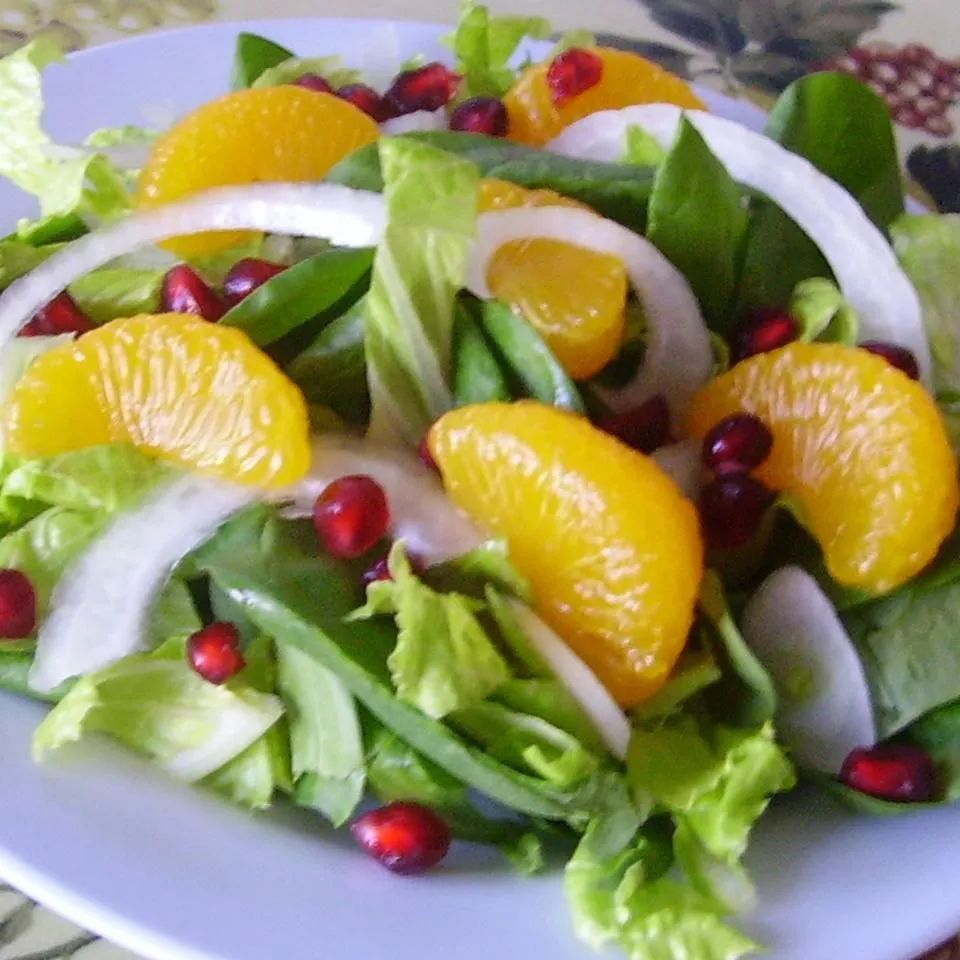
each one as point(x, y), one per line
point(909, 52)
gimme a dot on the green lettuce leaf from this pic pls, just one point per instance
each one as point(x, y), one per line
point(929, 249)
point(115, 292)
point(418, 269)
point(823, 313)
point(643, 149)
point(485, 44)
point(126, 135)
point(326, 749)
point(287, 71)
point(444, 660)
point(717, 780)
point(156, 704)
point(253, 776)
point(18, 258)
point(63, 180)
point(473, 572)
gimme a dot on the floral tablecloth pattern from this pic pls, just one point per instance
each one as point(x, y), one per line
point(909, 52)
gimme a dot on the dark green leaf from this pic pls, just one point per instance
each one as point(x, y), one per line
point(844, 129)
point(939, 733)
point(312, 290)
point(301, 598)
point(619, 191)
point(58, 228)
point(333, 371)
point(254, 54)
point(696, 219)
point(871, 806)
point(477, 377)
point(526, 355)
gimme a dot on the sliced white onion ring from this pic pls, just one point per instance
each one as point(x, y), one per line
point(99, 608)
point(582, 683)
point(414, 122)
point(348, 218)
point(421, 513)
point(825, 709)
point(678, 357)
point(681, 462)
point(859, 255)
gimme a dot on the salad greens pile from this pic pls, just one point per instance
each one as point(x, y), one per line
point(426, 686)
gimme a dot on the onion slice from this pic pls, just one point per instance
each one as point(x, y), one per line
point(421, 513)
point(416, 122)
point(860, 257)
point(824, 709)
point(99, 609)
point(348, 218)
point(681, 463)
point(678, 358)
point(582, 683)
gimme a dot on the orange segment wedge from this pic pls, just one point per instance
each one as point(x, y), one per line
point(179, 388)
point(610, 545)
point(859, 446)
point(282, 133)
point(626, 80)
point(574, 297)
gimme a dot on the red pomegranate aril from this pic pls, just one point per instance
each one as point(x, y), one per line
point(766, 330)
point(426, 457)
point(313, 81)
point(18, 605)
point(481, 115)
point(895, 355)
point(429, 87)
point(351, 516)
point(899, 772)
point(405, 837)
point(185, 291)
point(737, 444)
point(248, 275)
point(571, 73)
point(366, 99)
point(645, 428)
point(214, 652)
point(731, 510)
point(60, 315)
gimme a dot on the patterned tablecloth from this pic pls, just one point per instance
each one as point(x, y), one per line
point(908, 51)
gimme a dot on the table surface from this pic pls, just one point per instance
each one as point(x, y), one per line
point(781, 39)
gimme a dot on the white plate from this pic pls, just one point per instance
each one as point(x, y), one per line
point(173, 873)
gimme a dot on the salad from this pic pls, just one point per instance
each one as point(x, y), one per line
point(507, 452)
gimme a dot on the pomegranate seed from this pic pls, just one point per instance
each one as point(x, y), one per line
point(900, 772)
point(247, 275)
point(313, 81)
point(645, 428)
point(18, 605)
point(351, 515)
point(731, 509)
point(214, 652)
point(184, 291)
point(571, 73)
point(60, 315)
point(481, 115)
point(429, 87)
point(896, 356)
point(737, 444)
point(405, 837)
point(766, 330)
point(426, 457)
point(366, 99)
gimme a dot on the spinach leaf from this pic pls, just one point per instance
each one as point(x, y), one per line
point(697, 220)
point(254, 54)
point(939, 733)
point(313, 290)
point(477, 377)
point(272, 569)
point(619, 191)
point(844, 129)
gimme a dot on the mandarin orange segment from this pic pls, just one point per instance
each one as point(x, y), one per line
point(858, 445)
point(575, 298)
point(609, 544)
point(626, 80)
point(182, 389)
point(282, 133)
